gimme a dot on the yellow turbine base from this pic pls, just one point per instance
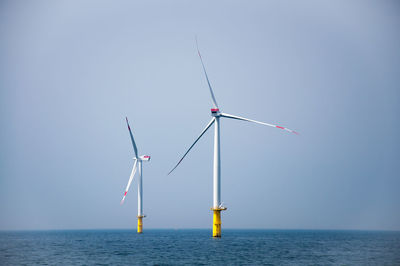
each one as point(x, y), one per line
point(217, 223)
point(139, 225)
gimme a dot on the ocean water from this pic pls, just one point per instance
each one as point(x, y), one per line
point(196, 247)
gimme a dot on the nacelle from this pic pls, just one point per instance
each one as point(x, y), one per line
point(145, 158)
point(215, 112)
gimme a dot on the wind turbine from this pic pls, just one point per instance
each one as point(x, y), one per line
point(216, 115)
point(137, 164)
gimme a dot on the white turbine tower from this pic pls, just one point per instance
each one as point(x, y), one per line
point(137, 164)
point(216, 115)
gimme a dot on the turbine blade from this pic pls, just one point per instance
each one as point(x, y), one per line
point(208, 81)
point(201, 134)
point(133, 141)
point(258, 122)
point(129, 182)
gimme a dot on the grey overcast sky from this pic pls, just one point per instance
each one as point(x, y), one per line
point(70, 71)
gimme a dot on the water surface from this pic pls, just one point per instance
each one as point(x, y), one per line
point(177, 247)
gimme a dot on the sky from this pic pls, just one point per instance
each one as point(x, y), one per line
point(70, 71)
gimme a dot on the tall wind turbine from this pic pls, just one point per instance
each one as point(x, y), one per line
point(137, 163)
point(216, 115)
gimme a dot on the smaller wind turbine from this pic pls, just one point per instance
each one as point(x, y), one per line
point(137, 164)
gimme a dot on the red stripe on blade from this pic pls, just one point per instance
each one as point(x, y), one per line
point(280, 127)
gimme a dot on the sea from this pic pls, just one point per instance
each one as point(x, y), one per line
point(197, 247)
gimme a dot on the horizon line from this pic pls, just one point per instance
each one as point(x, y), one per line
point(202, 228)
